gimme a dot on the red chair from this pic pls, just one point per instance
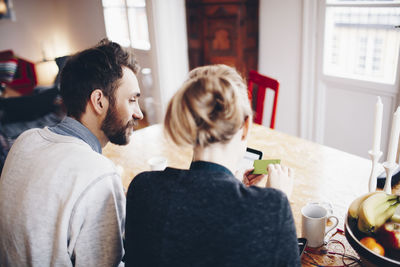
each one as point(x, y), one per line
point(263, 83)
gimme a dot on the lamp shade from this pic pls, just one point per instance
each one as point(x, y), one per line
point(46, 72)
point(3, 7)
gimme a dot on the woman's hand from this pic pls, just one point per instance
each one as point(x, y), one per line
point(251, 179)
point(280, 177)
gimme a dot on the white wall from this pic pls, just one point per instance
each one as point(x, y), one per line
point(83, 22)
point(59, 27)
point(34, 23)
point(280, 56)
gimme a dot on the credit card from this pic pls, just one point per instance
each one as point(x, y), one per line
point(260, 165)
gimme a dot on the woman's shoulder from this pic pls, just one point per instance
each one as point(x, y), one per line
point(155, 178)
point(264, 192)
point(165, 174)
point(258, 198)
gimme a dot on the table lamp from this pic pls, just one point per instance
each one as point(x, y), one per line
point(46, 71)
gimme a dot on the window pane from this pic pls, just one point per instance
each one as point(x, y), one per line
point(138, 27)
point(362, 43)
point(126, 22)
point(136, 3)
point(117, 25)
point(361, 1)
point(113, 3)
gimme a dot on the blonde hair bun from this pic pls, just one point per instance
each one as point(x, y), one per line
point(210, 107)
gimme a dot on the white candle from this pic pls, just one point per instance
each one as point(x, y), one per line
point(394, 137)
point(377, 126)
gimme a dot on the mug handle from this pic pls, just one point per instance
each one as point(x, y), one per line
point(334, 225)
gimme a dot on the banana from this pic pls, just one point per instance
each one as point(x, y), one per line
point(395, 218)
point(354, 206)
point(375, 210)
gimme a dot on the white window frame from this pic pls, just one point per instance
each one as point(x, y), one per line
point(311, 98)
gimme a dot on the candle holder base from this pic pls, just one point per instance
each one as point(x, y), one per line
point(375, 156)
point(389, 168)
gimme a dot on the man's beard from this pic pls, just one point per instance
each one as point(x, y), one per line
point(114, 128)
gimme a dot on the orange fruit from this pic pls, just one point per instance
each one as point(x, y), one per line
point(371, 243)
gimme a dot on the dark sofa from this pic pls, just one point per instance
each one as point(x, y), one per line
point(18, 114)
point(38, 109)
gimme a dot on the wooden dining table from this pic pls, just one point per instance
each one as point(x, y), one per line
point(322, 174)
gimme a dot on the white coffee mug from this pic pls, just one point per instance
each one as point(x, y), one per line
point(158, 163)
point(314, 218)
point(328, 206)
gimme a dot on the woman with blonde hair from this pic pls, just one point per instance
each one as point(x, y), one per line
point(204, 216)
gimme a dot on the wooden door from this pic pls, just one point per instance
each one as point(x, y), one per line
point(222, 31)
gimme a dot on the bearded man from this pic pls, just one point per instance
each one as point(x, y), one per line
point(61, 202)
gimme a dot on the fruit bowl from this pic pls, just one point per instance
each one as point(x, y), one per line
point(368, 257)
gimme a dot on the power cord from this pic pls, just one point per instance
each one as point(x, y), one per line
point(344, 256)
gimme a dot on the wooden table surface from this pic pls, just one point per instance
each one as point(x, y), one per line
point(322, 174)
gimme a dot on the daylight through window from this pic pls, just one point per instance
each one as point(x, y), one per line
point(126, 22)
point(361, 40)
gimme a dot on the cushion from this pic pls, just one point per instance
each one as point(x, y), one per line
point(7, 70)
point(6, 54)
point(60, 61)
point(24, 78)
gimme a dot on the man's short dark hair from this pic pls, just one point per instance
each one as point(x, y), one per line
point(99, 67)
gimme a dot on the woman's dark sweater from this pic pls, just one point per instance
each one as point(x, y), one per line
point(206, 217)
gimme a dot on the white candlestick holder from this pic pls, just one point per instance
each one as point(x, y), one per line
point(390, 167)
point(373, 177)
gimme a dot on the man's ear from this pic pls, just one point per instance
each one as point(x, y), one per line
point(246, 127)
point(99, 101)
